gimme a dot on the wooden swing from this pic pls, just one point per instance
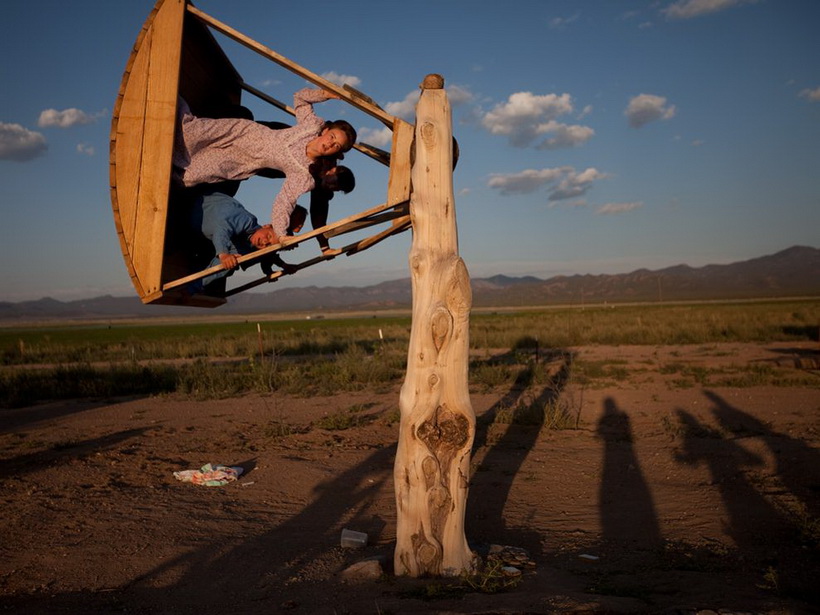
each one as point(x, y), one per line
point(176, 55)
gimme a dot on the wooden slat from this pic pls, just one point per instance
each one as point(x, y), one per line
point(289, 241)
point(398, 182)
point(402, 224)
point(158, 140)
point(368, 222)
point(293, 67)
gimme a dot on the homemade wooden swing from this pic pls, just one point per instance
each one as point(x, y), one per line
point(176, 55)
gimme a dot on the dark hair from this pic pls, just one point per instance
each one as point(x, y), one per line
point(346, 128)
point(345, 179)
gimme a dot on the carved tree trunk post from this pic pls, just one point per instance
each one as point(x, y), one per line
point(432, 465)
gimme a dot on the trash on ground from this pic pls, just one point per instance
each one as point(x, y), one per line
point(353, 540)
point(210, 475)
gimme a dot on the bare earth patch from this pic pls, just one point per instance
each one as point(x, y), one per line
point(671, 496)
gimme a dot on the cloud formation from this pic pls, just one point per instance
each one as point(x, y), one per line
point(51, 118)
point(618, 208)
point(687, 9)
point(20, 144)
point(380, 137)
point(526, 118)
point(646, 108)
point(561, 182)
point(85, 148)
point(338, 79)
point(812, 95)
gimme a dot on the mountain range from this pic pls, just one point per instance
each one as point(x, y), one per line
point(794, 272)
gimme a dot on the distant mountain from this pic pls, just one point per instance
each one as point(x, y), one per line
point(794, 272)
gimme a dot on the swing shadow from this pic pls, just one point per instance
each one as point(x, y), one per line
point(501, 459)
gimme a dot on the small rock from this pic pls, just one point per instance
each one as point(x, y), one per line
point(366, 570)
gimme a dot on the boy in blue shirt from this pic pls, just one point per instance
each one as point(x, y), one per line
point(233, 231)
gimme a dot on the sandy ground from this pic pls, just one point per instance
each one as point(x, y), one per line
point(663, 500)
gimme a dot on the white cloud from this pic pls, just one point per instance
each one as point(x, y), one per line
point(379, 137)
point(646, 108)
point(338, 79)
point(527, 117)
point(85, 148)
point(458, 95)
point(67, 118)
point(20, 144)
point(405, 109)
point(618, 208)
point(561, 182)
point(564, 135)
point(812, 95)
point(687, 9)
point(557, 23)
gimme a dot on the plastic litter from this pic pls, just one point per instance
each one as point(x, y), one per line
point(353, 540)
point(210, 475)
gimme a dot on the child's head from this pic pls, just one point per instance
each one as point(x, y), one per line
point(342, 128)
point(297, 219)
point(338, 178)
point(263, 237)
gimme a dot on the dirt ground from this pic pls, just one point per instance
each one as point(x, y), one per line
point(665, 499)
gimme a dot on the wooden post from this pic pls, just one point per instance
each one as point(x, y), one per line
point(432, 467)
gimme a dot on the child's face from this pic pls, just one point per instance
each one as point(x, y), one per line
point(263, 237)
point(331, 141)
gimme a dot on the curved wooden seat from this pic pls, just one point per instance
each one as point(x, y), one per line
point(175, 55)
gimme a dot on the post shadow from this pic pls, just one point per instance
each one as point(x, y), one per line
point(488, 492)
point(627, 510)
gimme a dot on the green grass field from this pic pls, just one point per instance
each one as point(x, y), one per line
point(213, 359)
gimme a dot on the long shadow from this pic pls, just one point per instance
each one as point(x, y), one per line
point(765, 535)
point(14, 419)
point(628, 515)
point(492, 480)
point(267, 567)
point(798, 465)
point(752, 521)
point(33, 462)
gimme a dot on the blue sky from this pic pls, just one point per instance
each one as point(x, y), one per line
point(596, 137)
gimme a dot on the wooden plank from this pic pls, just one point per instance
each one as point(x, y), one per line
point(293, 67)
point(398, 182)
point(356, 225)
point(158, 141)
point(127, 156)
point(402, 224)
point(289, 241)
point(123, 196)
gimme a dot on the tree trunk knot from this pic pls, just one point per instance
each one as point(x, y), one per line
point(441, 327)
point(444, 432)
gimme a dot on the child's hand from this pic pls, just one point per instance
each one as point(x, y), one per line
point(229, 261)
